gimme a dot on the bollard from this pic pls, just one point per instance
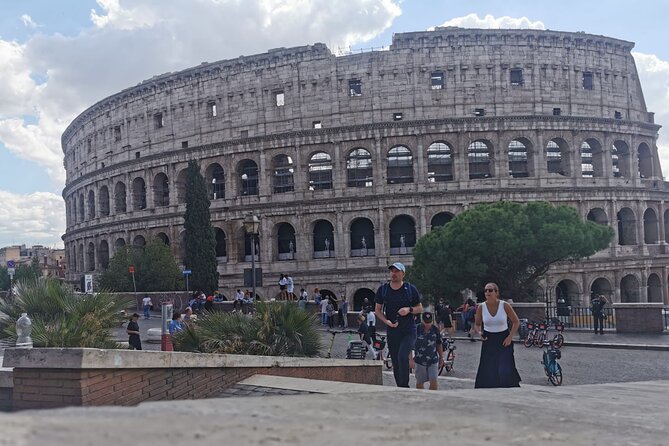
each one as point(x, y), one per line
point(24, 328)
point(166, 338)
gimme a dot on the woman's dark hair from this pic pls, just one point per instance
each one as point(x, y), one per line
point(176, 315)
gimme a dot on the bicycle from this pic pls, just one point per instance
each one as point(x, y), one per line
point(449, 348)
point(552, 368)
point(332, 339)
point(558, 339)
point(533, 332)
point(382, 352)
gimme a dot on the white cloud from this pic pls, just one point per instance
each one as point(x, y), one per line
point(490, 22)
point(654, 76)
point(36, 218)
point(28, 21)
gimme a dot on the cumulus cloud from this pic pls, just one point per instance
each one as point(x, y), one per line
point(36, 218)
point(490, 22)
point(654, 76)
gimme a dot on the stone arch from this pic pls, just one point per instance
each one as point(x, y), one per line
point(90, 256)
point(103, 199)
point(283, 171)
point(323, 239)
point(620, 159)
point(479, 155)
point(80, 265)
point(221, 244)
point(402, 235)
point(520, 157)
point(654, 288)
point(182, 180)
point(441, 219)
point(557, 157)
point(320, 171)
point(138, 194)
point(359, 297)
point(568, 290)
point(359, 168)
point(645, 161)
point(592, 161)
point(82, 216)
point(626, 227)
point(139, 242)
point(650, 229)
point(439, 162)
point(629, 289)
point(248, 177)
point(161, 190)
point(120, 204)
point(164, 238)
point(598, 215)
point(215, 177)
point(362, 237)
point(601, 285)
point(103, 254)
point(119, 243)
point(399, 168)
point(91, 205)
point(286, 243)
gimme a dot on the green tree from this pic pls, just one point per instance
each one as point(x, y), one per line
point(4, 279)
point(117, 277)
point(28, 272)
point(200, 239)
point(508, 243)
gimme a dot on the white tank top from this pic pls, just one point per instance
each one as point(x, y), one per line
point(499, 322)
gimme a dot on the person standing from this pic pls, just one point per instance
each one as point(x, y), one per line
point(396, 304)
point(283, 294)
point(290, 287)
point(444, 320)
point(344, 311)
point(146, 305)
point(428, 353)
point(497, 366)
point(133, 333)
point(598, 303)
point(176, 325)
point(324, 310)
point(329, 309)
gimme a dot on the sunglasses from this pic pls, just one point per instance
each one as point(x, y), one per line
point(490, 290)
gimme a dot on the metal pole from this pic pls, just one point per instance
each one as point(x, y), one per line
point(187, 290)
point(253, 265)
point(135, 288)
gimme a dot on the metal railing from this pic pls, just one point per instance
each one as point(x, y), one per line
point(579, 317)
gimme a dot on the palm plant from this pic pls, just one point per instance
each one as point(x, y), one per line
point(276, 329)
point(61, 318)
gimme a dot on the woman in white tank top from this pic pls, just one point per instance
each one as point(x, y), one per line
point(497, 366)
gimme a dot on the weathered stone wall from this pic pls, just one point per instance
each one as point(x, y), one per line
point(639, 317)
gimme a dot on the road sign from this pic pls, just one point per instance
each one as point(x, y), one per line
point(186, 272)
point(11, 264)
point(11, 271)
point(88, 281)
point(131, 269)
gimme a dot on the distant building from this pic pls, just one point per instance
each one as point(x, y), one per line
point(51, 261)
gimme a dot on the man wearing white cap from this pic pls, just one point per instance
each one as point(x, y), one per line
point(396, 304)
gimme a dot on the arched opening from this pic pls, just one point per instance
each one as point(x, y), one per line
point(654, 290)
point(362, 238)
point(248, 177)
point(80, 266)
point(138, 194)
point(592, 163)
point(359, 168)
point(439, 162)
point(103, 254)
point(91, 205)
point(215, 178)
point(479, 156)
point(221, 245)
point(163, 238)
point(119, 243)
point(251, 246)
point(567, 291)
point(650, 229)
point(90, 256)
point(182, 179)
point(400, 165)
point(161, 190)
point(587, 169)
point(601, 286)
point(120, 198)
point(324, 245)
point(286, 241)
point(629, 289)
point(626, 227)
point(320, 171)
point(402, 235)
point(598, 215)
point(360, 296)
point(518, 158)
point(103, 198)
point(139, 242)
point(645, 161)
point(282, 177)
point(441, 219)
point(82, 215)
point(557, 160)
point(620, 159)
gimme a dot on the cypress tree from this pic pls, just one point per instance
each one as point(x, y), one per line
point(200, 239)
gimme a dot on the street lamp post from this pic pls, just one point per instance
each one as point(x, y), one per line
point(251, 225)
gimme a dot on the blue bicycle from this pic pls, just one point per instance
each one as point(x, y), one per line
point(551, 366)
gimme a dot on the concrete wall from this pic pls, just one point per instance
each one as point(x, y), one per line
point(639, 317)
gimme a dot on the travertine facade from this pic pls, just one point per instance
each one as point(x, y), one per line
point(348, 160)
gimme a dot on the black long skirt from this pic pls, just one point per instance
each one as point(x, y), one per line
point(497, 367)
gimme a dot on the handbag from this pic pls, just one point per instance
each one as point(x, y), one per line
point(603, 315)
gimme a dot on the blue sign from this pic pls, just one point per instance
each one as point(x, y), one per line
point(10, 264)
point(186, 272)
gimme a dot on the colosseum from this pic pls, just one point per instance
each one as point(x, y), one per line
point(347, 160)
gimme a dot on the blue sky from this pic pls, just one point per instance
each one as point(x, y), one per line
point(59, 57)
